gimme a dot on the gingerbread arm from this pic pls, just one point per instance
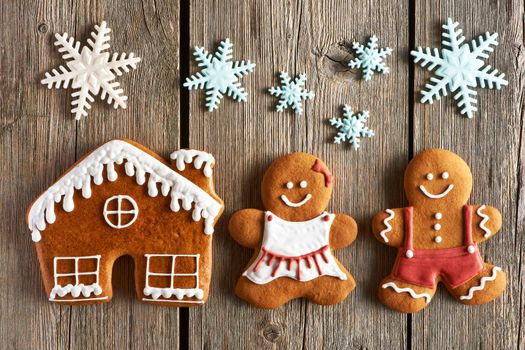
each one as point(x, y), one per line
point(246, 226)
point(387, 227)
point(343, 231)
point(486, 222)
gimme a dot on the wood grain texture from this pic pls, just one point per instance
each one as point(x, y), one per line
point(309, 37)
point(40, 140)
point(490, 143)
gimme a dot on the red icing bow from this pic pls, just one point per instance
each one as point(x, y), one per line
point(320, 168)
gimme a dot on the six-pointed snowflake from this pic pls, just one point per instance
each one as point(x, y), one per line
point(370, 58)
point(351, 127)
point(91, 71)
point(459, 68)
point(291, 93)
point(219, 75)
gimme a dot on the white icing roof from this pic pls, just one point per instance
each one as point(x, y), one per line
point(183, 156)
point(137, 163)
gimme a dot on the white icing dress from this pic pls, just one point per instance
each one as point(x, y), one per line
point(298, 250)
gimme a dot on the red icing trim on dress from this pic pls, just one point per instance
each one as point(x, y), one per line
point(277, 267)
point(290, 259)
point(260, 261)
point(320, 168)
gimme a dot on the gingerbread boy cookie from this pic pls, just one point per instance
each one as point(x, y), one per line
point(437, 237)
point(294, 238)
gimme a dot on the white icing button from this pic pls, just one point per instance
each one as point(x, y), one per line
point(437, 227)
point(303, 184)
point(438, 239)
point(430, 176)
point(409, 254)
point(289, 185)
point(471, 249)
point(444, 175)
point(438, 216)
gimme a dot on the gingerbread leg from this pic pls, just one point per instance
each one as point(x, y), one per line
point(485, 287)
point(328, 290)
point(267, 296)
point(404, 297)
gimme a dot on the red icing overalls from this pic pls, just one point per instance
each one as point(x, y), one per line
point(422, 267)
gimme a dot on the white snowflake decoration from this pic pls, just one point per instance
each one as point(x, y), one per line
point(219, 75)
point(91, 71)
point(291, 93)
point(351, 127)
point(459, 68)
point(370, 58)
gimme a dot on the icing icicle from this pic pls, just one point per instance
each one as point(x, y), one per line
point(485, 218)
point(179, 293)
point(186, 156)
point(410, 291)
point(75, 290)
point(481, 286)
point(386, 222)
point(136, 163)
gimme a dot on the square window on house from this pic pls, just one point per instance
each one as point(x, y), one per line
point(172, 271)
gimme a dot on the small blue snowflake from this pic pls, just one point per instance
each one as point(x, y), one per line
point(220, 75)
point(460, 68)
point(351, 127)
point(291, 93)
point(370, 58)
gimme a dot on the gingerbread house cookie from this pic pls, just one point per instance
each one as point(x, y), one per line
point(123, 199)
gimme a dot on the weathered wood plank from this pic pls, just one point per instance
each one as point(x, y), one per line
point(40, 140)
point(490, 143)
point(150, 30)
point(314, 38)
point(34, 153)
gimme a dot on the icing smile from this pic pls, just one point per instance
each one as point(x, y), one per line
point(298, 204)
point(436, 196)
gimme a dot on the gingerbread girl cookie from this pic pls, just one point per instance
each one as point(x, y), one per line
point(437, 237)
point(294, 238)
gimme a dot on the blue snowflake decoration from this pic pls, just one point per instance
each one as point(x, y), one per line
point(219, 75)
point(370, 58)
point(351, 127)
point(291, 93)
point(460, 68)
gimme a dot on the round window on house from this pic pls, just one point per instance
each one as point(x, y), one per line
point(120, 211)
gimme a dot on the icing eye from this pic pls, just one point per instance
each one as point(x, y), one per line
point(289, 185)
point(429, 176)
point(303, 184)
point(444, 175)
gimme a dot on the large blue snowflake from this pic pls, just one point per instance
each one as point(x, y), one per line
point(370, 58)
point(351, 127)
point(460, 68)
point(291, 93)
point(219, 75)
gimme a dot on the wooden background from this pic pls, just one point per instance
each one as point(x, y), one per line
point(39, 140)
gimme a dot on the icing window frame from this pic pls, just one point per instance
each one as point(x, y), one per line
point(172, 274)
point(83, 289)
point(119, 212)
